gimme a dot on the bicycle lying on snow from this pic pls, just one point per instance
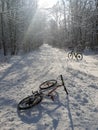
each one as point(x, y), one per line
point(45, 89)
point(77, 55)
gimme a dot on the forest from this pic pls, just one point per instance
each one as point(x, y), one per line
point(24, 26)
point(49, 51)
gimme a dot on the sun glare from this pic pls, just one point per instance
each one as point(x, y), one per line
point(46, 3)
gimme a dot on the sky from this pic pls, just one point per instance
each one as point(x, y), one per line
point(46, 3)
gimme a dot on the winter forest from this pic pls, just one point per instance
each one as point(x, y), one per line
point(24, 26)
point(48, 64)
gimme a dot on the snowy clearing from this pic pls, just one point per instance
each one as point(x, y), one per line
point(22, 74)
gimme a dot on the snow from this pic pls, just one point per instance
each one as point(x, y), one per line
point(22, 74)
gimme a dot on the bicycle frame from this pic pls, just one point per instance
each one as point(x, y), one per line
point(74, 53)
point(54, 89)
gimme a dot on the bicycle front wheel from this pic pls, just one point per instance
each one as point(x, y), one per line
point(79, 56)
point(48, 84)
point(70, 55)
point(29, 102)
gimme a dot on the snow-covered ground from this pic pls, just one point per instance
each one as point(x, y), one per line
point(22, 74)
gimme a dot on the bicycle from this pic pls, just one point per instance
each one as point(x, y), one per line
point(77, 55)
point(45, 89)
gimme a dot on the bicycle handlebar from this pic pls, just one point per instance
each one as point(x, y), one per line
point(63, 84)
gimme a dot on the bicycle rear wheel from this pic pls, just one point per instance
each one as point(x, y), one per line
point(48, 84)
point(79, 56)
point(29, 101)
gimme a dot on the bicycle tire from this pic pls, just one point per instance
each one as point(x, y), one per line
point(70, 55)
point(49, 84)
point(29, 102)
point(79, 56)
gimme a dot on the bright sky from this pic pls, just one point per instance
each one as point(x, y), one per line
point(46, 3)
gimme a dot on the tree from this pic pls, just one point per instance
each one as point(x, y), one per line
point(16, 17)
point(2, 28)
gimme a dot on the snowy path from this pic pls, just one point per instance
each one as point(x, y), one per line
point(22, 74)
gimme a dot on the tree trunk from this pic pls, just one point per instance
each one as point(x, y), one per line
point(2, 30)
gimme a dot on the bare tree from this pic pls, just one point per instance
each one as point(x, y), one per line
point(16, 17)
point(2, 28)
